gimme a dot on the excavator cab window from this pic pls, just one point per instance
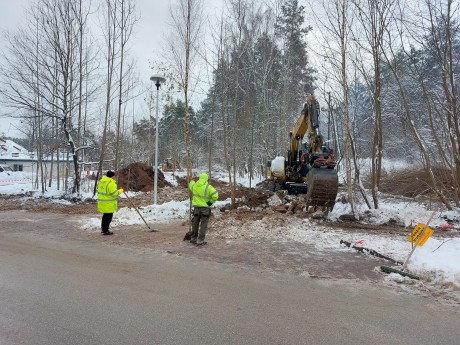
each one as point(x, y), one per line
point(306, 147)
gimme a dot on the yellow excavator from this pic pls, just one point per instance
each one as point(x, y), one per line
point(170, 165)
point(309, 166)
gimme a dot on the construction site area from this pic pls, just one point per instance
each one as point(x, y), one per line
point(261, 229)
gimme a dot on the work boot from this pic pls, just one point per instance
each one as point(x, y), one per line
point(193, 240)
point(201, 243)
point(107, 233)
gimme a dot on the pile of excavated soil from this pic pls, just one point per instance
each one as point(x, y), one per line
point(223, 188)
point(139, 177)
point(252, 198)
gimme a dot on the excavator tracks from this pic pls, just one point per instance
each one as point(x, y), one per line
point(323, 185)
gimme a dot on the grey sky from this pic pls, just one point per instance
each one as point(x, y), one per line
point(148, 36)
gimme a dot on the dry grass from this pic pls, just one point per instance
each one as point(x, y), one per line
point(413, 183)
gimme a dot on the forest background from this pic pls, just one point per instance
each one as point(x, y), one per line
point(385, 72)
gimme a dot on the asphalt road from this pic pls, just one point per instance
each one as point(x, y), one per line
point(58, 290)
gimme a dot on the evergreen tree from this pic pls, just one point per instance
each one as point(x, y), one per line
point(171, 131)
point(297, 74)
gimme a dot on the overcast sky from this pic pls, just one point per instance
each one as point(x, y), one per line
point(148, 36)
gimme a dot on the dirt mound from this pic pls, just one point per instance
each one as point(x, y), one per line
point(182, 182)
point(258, 197)
point(139, 177)
point(252, 197)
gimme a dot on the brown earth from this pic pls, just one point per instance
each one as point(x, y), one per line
point(250, 205)
point(139, 177)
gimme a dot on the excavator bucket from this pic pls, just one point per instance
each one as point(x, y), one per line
point(323, 185)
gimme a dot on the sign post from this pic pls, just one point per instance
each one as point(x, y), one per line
point(418, 237)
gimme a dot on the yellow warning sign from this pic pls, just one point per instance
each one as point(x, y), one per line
point(420, 236)
point(416, 232)
point(425, 236)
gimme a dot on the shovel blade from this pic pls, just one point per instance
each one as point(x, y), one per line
point(188, 236)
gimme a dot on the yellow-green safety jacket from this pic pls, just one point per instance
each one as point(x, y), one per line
point(202, 192)
point(107, 195)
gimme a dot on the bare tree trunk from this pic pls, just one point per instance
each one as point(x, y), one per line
point(211, 137)
point(111, 38)
point(343, 38)
point(127, 21)
point(445, 47)
point(240, 15)
point(39, 121)
point(187, 18)
point(409, 116)
point(188, 46)
point(374, 16)
point(80, 69)
point(120, 84)
point(53, 95)
point(337, 33)
point(223, 103)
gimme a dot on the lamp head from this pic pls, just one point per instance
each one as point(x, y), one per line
point(158, 80)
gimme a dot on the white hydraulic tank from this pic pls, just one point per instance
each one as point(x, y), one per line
point(278, 166)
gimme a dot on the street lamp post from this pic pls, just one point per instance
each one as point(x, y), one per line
point(158, 80)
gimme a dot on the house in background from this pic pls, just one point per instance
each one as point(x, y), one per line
point(19, 159)
point(15, 156)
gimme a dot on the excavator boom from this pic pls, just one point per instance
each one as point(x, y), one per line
point(308, 123)
point(309, 167)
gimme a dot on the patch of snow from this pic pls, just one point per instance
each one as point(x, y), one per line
point(437, 261)
point(171, 177)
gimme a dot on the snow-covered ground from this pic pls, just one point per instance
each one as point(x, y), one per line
point(438, 261)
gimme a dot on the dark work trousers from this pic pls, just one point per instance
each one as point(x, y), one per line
point(106, 220)
point(200, 223)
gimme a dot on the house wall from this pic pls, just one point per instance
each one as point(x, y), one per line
point(19, 159)
point(31, 166)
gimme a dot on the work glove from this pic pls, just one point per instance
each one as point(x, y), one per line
point(121, 190)
point(209, 203)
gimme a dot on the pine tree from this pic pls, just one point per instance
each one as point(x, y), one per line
point(296, 72)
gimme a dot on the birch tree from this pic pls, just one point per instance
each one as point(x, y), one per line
point(443, 24)
point(111, 32)
point(126, 19)
point(335, 36)
point(374, 16)
point(187, 28)
point(45, 53)
point(428, 98)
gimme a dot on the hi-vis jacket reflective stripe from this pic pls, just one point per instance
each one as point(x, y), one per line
point(202, 192)
point(107, 195)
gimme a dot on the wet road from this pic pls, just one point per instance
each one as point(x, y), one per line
point(72, 289)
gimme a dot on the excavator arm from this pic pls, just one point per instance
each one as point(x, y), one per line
point(307, 124)
point(308, 168)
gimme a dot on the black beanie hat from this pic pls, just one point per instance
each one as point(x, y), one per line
point(110, 173)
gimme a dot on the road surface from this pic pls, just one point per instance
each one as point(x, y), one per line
point(66, 290)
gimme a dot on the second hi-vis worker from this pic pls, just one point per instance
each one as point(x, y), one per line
point(203, 196)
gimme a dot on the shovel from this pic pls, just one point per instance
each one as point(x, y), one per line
point(134, 206)
point(188, 235)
